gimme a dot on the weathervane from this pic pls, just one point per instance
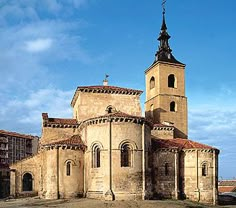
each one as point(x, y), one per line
point(163, 6)
point(105, 81)
point(106, 76)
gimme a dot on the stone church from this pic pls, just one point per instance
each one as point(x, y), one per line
point(108, 150)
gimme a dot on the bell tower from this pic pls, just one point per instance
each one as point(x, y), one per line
point(165, 87)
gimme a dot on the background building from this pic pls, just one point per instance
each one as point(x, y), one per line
point(13, 147)
point(4, 168)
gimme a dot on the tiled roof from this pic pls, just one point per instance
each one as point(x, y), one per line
point(15, 134)
point(117, 114)
point(61, 121)
point(223, 189)
point(227, 183)
point(161, 125)
point(179, 143)
point(75, 140)
point(117, 117)
point(105, 89)
point(120, 114)
point(109, 88)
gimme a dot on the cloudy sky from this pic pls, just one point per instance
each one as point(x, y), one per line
point(49, 47)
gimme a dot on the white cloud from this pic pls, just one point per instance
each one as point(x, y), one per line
point(25, 114)
point(44, 39)
point(22, 10)
point(214, 125)
point(38, 45)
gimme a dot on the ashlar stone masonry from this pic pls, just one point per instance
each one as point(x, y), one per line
point(108, 150)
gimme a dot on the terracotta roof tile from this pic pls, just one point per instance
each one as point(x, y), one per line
point(104, 89)
point(121, 114)
point(117, 114)
point(223, 189)
point(75, 140)
point(63, 121)
point(17, 135)
point(179, 143)
point(161, 125)
point(111, 88)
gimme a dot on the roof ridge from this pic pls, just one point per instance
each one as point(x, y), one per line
point(16, 134)
point(108, 86)
point(62, 118)
point(66, 141)
point(182, 144)
point(117, 113)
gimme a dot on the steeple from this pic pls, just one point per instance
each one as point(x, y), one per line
point(164, 50)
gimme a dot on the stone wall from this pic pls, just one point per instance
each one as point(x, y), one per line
point(90, 105)
point(164, 133)
point(164, 175)
point(125, 182)
point(54, 134)
point(56, 183)
point(48, 169)
point(158, 99)
point(196, 186)
point(29, 165)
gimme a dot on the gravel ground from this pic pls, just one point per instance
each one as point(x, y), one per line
point(92, 203)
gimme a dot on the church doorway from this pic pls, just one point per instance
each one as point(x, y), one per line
point(27, 182)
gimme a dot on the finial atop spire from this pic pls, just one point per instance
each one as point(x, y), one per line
point(164, 50)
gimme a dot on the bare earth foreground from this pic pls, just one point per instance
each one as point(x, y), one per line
point(90, 203)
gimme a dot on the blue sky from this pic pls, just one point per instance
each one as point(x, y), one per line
point(49, 47)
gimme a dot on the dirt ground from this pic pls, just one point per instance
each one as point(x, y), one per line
point(91, 203)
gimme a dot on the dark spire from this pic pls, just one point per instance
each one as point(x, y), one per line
point(164, 50)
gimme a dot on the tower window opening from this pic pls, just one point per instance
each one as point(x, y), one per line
point(96, 163)
point(126, 153)
point(204, 169)
point(167, 169)
point(68, 168)
point(152, 82)
point(172, 81)
point(173, 107)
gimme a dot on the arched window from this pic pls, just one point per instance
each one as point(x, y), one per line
point(126, 154)
point(204, 169)
point(27, 182)
point(68, 168)
point(172, 81)
point(152, 82)
point(96, 157)
point(167, 169)
point(111, 109)
point(173, 106)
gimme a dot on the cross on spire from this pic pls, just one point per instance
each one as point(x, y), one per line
point(163, 6)
point(164, 52)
